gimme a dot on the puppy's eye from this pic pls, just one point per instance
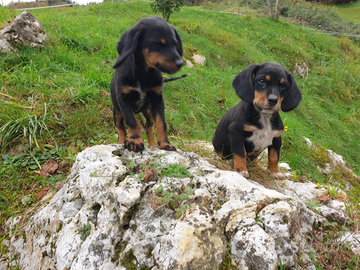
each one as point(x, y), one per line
point(261, 81)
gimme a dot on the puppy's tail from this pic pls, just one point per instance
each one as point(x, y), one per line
point(176, 78)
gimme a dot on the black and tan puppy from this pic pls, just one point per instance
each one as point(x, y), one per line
point(254, 124)
point(146, 50)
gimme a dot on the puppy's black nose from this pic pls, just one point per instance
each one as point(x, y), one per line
point(179, 63)
point(272, 100)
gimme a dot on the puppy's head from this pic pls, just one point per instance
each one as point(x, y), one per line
point(269, 86)
point(157, 41)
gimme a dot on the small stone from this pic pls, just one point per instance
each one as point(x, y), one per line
point(199, 59)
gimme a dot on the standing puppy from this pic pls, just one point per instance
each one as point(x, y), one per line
point(254, 124)
point(146, 50)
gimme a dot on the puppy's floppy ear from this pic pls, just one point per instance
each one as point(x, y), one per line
point(243, 83)
point(293, 96)
point(179, 47)
point(127, 44)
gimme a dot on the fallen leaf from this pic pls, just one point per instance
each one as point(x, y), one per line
point(323, 198)
point(49, 168)
point(42, 193)
point(59, 186)
point(104, 93)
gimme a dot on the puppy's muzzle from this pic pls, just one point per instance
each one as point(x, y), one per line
point(179, 64)
point(170, 68)
point(273, 100)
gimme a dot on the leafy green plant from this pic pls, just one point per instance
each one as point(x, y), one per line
point(332, 191)
point(166, 7)
point(174, 197)
point(84, 231)
point(175, 170)
point(312, 204)
point(143, 171)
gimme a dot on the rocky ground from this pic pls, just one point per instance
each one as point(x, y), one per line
point(166, 210)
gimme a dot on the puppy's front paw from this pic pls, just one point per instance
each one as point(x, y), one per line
point(135, 145)
point(167, 147)
point(243, 173)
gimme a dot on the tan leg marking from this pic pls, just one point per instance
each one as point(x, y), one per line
point(161, 135)
point(119, 123)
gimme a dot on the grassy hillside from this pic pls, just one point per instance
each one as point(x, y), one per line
point(350, 11)
point(58, 94)
point(341, 19)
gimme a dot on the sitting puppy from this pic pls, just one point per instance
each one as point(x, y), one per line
point(254, 124)
point(146, 50)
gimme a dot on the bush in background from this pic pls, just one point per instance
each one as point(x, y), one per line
point(166, 7)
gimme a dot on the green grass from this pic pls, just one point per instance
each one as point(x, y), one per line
point(73, 71)
point(350, 11)
point(342, 19)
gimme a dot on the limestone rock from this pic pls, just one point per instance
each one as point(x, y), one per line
point(24, 29)
point(199, 60)
point(301, 70)
point(189, 64)
point(353, 239)
point(107, 216)
point(336, 160)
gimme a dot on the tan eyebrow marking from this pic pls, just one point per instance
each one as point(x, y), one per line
point(282, 80)
point(267, 77)
point(163, 41)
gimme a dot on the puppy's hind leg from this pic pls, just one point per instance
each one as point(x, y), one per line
point(149, 127)
point(158, 112)
point(161, 134)
point(119, 123)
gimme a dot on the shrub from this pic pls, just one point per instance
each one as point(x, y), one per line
point(166, 7)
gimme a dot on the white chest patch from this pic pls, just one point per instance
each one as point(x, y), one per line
point(141, 99)
point(262, 138)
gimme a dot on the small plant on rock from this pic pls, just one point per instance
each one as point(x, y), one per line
point(175, 170)
point(85, 231)
point(175, 198)
point(143, 171)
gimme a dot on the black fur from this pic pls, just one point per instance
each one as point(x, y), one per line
point(254, 124)
point(146, 50)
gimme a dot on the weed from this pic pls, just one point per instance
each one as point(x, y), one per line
point(85, 231)
point(330, 251)
point(227, 262)
point(312, 204)
point(143, 171)
point(258, 219)
point(175, 170)
point(174, 197)
point(30, 126)
point(281, 266)
point(332, 191)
